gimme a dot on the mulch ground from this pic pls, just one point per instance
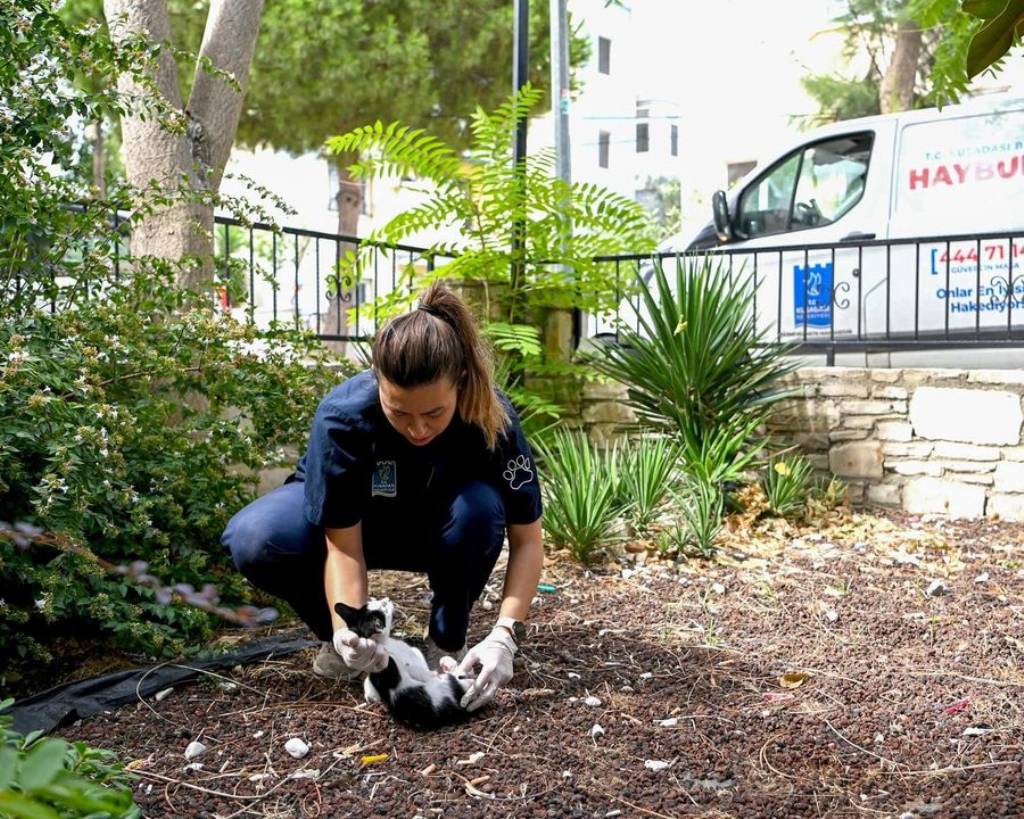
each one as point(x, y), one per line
point(863, 667)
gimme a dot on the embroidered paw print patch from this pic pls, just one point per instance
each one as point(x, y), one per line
point(518, 472)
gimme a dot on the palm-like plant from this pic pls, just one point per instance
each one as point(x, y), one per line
point(697, 366)
point(581, 488)
point(787, 483)
point(647, 477)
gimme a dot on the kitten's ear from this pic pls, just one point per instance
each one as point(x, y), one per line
point(350, 615)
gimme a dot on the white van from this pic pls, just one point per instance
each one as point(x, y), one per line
point(900, 228)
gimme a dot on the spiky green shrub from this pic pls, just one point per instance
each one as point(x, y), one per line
point(648, 473)
point(697, 367)
point(701, 509)
point(581, 493)
point(786, 481)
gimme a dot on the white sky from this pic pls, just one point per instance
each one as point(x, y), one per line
point(734, 68)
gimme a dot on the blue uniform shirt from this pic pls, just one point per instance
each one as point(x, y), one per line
point(358, 466)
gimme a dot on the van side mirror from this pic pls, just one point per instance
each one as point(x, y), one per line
point(720, 214)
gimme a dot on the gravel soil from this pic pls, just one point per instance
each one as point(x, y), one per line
point(862, 666)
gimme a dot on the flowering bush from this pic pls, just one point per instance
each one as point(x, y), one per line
point(134, 427)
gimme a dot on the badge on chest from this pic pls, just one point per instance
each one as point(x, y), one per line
point(385, 480)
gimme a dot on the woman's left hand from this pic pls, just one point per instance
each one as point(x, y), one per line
point(494, 656)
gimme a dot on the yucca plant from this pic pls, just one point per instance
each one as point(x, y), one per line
point(701, 508)
point(697, 367)
point(647, 475)
point(786, 482)
point(581, 493)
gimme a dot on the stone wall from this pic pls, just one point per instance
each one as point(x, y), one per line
point(942, 441)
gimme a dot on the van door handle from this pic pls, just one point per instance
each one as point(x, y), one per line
point(857, 236)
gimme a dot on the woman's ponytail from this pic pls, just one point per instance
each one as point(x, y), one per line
point(440, 339)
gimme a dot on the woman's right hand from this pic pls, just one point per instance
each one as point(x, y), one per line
point(359, 653)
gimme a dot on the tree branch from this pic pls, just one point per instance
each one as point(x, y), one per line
point(214, 105)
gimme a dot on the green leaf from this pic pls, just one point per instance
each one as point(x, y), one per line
point(20, 806)
point(42, 764)
point(8, 766)
point(986, 9)
point(999, 33)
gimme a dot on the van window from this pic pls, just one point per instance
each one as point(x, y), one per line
point(828, 178)
point(765, 205)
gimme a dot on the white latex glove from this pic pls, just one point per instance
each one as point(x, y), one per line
point(494, 656)
point(359, 653)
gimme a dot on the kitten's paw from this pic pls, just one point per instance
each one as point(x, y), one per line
point(446, 665)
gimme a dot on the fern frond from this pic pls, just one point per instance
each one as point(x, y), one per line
point(397, 150)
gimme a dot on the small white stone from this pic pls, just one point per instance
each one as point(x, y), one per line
point(566, 774)
point(296, 747)
point(162, 695)
point(592, 701)
point(718, 588)
point(671, 722)
point(936, 587)
point(194, 766)
point(646, 675)
point(227, 686)
point(655, 765)
point(596, 731)
point(194, 749)
point(572, 675)
point(257, 735)
point(982, 578)
point(831, 615)
point(627, 573)
point(626, 689)
point(472, 759)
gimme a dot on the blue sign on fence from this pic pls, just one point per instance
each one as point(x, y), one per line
point(812, 289)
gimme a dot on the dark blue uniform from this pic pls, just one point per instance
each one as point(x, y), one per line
point(439, 509)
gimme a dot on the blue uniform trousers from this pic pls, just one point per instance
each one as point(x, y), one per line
point(456, 543)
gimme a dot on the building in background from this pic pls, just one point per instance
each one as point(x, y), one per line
point(622, 135)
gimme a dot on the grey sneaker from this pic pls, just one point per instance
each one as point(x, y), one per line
point(434, 653)
point(329, 665)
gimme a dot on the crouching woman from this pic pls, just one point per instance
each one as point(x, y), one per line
point(418, 464)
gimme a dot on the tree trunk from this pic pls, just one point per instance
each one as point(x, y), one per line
point(99, 158)
point(349, 201)
point(191, 162)
point(896, 91)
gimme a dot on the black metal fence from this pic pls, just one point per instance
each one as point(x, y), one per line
point(934, 292)
point(924, 293)
point(329, 283)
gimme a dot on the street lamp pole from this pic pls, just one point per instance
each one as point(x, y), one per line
point(520, 75)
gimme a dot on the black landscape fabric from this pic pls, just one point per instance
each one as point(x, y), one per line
point(63, 704)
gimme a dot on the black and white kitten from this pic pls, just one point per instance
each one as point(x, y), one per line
point(415, 695)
